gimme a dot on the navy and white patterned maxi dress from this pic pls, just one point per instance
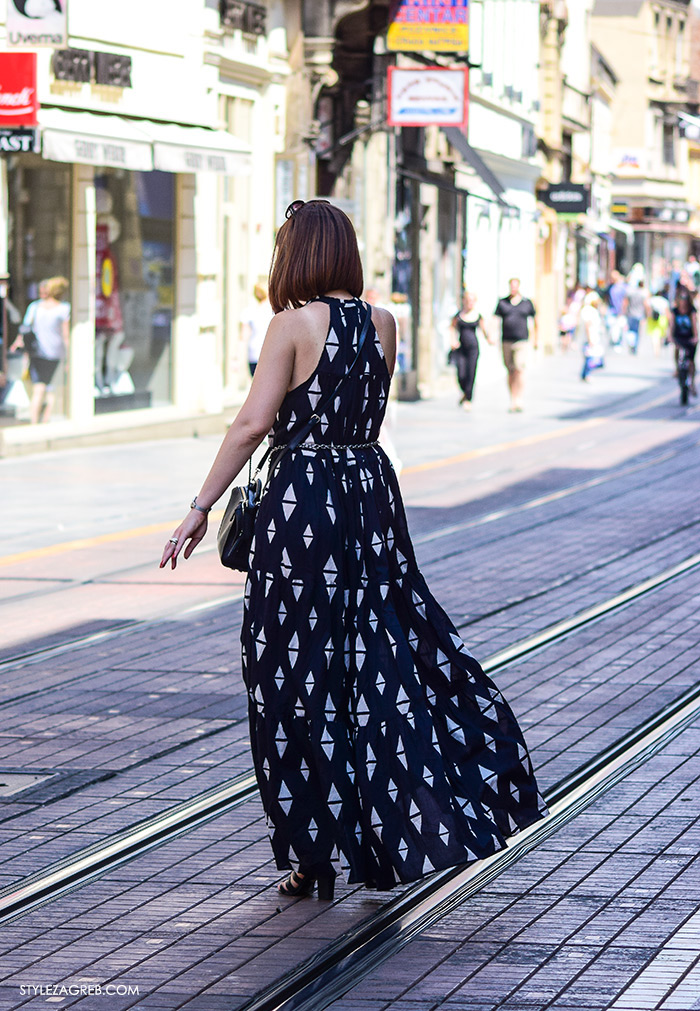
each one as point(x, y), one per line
point(379, 744)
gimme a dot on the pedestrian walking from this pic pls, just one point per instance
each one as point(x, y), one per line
point(617, 299)
point(465, 351)
point(517, 316)
point(255, 322)
point(637, 308)
point(658, 321)
point(378, 741)
point(685, 331)
point(570, 317)
point(44, 335)
point(592, 333)
point(692, 270)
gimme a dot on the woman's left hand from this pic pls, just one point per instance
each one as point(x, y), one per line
point(188, 535)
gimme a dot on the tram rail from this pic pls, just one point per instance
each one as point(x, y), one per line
point(91, 862)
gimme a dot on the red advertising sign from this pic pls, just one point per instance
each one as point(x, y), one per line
point(18, 101)
point(108, 311)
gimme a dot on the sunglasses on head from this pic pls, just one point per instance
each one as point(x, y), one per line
point(293, 208)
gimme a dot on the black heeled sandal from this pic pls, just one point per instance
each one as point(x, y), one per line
point(299, 885)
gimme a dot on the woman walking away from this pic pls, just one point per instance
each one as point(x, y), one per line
point(44, 334)
point(465, 352)
point(379, 744)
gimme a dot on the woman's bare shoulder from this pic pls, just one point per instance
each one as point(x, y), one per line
point(297, 321)
point(383, 319)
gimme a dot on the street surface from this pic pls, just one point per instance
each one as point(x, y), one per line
point(121, 684)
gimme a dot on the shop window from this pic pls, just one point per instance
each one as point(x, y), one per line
point(669, 144)
point(39, 203)
point(135, 288)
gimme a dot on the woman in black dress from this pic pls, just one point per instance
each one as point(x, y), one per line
point(380, 746)
point(465, 353)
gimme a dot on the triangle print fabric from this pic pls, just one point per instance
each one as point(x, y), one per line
point(380, 746)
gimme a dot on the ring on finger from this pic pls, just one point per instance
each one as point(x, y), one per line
point(173, 540)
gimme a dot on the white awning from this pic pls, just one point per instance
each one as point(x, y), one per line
point(143, 145)
point(94, 140)
point(623, 227)
point(196, 149)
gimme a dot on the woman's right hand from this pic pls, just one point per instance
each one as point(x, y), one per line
point(187, 536)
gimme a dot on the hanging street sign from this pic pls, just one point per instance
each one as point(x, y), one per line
point(566, 198)
point(438, 26)
point(424, 96)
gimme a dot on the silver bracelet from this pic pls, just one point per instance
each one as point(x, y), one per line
point(201, 509)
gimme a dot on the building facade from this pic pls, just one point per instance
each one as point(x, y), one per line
point(648, 43)
point(149, 190)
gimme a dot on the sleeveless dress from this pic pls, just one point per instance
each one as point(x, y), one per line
point(379, 744)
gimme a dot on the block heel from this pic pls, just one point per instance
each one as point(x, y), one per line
point(326, 887)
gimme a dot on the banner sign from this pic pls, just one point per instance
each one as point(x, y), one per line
point(427, 95)
point(18, 100)
point(16, 141)
point(35, 23)
point(439, 26)
point(566, 198)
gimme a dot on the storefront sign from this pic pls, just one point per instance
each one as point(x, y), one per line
point(16, 141)
point(18, 101)
point(241, 16)
point(566, 198)
point(180, 158)
point(58, 145)
point(86, 67)
point(427, 95)
point(32, 24)
point(629, 161)
point(432, 25)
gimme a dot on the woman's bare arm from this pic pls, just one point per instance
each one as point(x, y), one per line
point(251, 425)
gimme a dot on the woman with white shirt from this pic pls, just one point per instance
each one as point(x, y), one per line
point(47, 319)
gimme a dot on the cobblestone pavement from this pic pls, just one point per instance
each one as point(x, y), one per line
point(604, 915)
point(518, 521)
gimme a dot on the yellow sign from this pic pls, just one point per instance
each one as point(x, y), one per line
point(107, 279)
point(439, 26)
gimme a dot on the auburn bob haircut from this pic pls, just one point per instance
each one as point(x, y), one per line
point(316, 251)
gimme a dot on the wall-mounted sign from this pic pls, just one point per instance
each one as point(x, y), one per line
point(18, 101)
point(17, 141)
point(420, 25)
point(427, 95)
point(629, 161)
point(86, 67)
point(566, 198)
point(35, 23)
point(238, 15)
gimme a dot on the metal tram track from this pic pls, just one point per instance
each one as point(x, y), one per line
point(121, 628)
point(446, 531)
point(110, 578)
point(93, 861)
point(326, 976)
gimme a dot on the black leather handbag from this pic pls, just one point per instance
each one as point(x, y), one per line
point(237, 527)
